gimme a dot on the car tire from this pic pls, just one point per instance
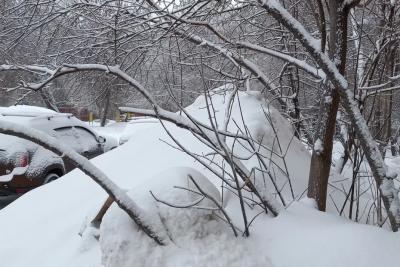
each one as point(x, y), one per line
point(50, 177)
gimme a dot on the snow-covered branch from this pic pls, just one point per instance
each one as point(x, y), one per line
point(30, 68)
point(285, 57)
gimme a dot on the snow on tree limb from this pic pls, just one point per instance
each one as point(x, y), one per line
point(119, 195)
point(298, 63)
point(30, 68)
point(370, 147)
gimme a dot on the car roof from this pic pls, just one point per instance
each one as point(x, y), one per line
point(46, 122)
point(25, 109)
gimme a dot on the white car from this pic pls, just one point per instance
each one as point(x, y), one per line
point(134, 126)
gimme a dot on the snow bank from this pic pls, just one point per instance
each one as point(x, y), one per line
point(198, 238)
point(267, 126)
point(302, 236)
point(51, 224)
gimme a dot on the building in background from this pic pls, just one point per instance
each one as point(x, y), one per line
point(81, 113)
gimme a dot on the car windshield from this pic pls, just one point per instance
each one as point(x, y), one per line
point(80, 139)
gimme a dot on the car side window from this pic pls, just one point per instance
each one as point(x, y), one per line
point(68, 137)
point(86, 139)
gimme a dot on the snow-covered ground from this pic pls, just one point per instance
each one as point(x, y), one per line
point(50, 226)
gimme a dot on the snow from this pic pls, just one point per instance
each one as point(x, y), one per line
point(79, 139)
point(305, 237)
point(199, 238)
point(318, 146)
point(118, 133)
point(97, 123)
point(25, 109)
point(15, 171)
point(51, 224)
point(45, 121)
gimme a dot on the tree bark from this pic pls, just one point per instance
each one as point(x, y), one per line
point(321, 159)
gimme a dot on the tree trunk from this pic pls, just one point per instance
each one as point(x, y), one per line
point(322, 154)
point(48, 99)
point(106, 108)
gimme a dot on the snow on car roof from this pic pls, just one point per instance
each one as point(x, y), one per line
point(39, 118)
point(25, 109)
point(23, 114)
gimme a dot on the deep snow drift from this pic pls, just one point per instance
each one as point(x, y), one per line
point(50, 226)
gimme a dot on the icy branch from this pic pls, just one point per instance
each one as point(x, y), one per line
point(30, 68)
point(298, 63)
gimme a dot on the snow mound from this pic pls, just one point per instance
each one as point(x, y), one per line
point(284, 154)
point(55, 218)
point(197, 237)
point(303, 236)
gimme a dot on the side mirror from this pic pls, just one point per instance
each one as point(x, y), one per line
point(101, 139)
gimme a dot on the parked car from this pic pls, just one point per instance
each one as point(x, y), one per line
point(134, 126)
point(111, 132)
point(25, 165)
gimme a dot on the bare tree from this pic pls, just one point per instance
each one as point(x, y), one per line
point(297, 53)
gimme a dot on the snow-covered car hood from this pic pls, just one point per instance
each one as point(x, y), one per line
point(134, 126)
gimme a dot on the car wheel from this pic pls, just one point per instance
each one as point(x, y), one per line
point(50, 178)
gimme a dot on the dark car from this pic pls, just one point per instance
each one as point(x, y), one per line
point(25, 165)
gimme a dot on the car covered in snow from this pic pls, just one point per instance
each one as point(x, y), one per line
point(135, 125)
point(25, 165)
